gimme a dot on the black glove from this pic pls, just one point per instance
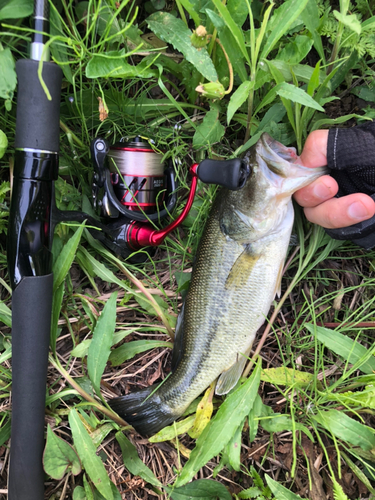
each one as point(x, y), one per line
point(351, 158)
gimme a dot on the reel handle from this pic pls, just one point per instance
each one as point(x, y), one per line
point(231, 174)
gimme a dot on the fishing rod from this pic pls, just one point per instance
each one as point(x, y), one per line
point(132, 189)
point(30, 259)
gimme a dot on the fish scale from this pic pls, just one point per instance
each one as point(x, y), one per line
point(235, 278)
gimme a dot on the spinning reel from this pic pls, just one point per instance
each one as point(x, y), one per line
point(135, 190)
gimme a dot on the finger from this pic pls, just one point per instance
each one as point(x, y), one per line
point(314, 152)
point(317, 192)
point(342, 212)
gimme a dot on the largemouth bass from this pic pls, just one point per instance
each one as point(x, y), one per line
point(235, 278)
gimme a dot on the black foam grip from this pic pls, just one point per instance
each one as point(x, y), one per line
point(231, 174)
point(38, 119)
point(31, 321)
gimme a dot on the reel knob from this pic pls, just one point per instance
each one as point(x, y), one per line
point(231, 174)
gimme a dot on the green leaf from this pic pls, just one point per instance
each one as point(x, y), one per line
point(130, 349)
point(234, 29)
point(296, 94)
point(346, 428)
point(79, 493)
point(88, 490)
point(210, 131)
point(65, 259)
point(314, 80)
point(59, 456)
point(233, 448)
point(5, 314)
point(174, 31)
point(358, 472)
point(15, 9)
point(8, 77)
point(343, 346)
point(280, 492)
point(102, 271)
point(57, 299)
point(286, 376)
point(310, 16)
point(282, 18)
point(253, 418)
point(238, 11)
point(133, 463)
point(238, 98)
point(226, 38)
point(147, 306)
point(334, 121)
point(59, 49)
point(202, 489)
point(100, 346)
point(113, 65)
point(81, 350)
point(281, 423)
point(192, 13)
point(221, 428)
point(3, 140)
point(296, 50)
point(171, 431)
point(349, 20)
point(5, 432)
point(87, 453)
point(253, 492)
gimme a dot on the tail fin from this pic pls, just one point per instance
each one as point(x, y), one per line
point(145, 412)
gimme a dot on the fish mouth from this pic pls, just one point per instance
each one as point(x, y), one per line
point(281, 165)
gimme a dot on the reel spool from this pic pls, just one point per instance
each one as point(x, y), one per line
point(137, 175)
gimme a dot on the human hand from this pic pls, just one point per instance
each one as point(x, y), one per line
point(318, 199)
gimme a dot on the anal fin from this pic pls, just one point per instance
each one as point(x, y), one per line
point(230, 377)
point(278, 281)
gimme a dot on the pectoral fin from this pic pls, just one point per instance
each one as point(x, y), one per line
point(230, 377)
point(241, 269)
